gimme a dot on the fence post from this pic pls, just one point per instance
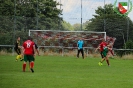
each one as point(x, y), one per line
point(62, 51)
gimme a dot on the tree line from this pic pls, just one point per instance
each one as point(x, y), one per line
point(17, 17)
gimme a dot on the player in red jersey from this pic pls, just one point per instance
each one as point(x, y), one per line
point(28, 49)
point(36, 49)
point(101, 49)
point(104, 51)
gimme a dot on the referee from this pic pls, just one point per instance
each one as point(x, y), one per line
point(80, 48)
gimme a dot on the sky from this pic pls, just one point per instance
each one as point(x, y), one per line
point(72, 9)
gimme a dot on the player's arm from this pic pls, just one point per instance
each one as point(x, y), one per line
point(113, 42)
point(36, 47)
point(78, 45)
point(22, 48)
point(97, 48)
point(109, 46)
point(83, 44)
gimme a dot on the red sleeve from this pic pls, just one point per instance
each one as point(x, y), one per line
point(100, 44)
point(106, 44)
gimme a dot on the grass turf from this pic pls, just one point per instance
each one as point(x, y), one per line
point(66, 72)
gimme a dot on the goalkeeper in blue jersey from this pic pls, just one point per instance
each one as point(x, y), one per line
point(80, 45)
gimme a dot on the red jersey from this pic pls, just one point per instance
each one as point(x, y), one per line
point(28, 47)
point(102, 45)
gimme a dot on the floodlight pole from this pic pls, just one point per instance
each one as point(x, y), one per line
point(59, 18)
point(127, 21)
point(127, 28)
point(124, 40)
point(81, 15)
point(37, 16)
point(14, 26)
point(104, 16)
point(123, 37)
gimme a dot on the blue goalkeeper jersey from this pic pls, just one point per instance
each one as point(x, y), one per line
point(80, 44)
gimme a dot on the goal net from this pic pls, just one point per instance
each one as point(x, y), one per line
point(66, 41)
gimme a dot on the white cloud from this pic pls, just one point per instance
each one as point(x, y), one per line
point(72, 9)
point(131, 15)
point(69, 5)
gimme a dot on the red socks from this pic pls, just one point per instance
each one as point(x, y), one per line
point(107, 62)
point(31, 64)
point(24, 66)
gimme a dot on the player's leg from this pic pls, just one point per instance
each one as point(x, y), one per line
point(24, 64)
point(31, 63)
point(17, 57)
point(31, 66)
point(78, 53)
point(105, 55)
point(29, 60)
point(111, 51)
point(20, 56)
point(102, 60)
point(82, 52)
point(107, 60)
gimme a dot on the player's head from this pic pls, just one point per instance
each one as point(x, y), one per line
point(18, 38)
point(80, 38)
point(29, 38)
point(103, 40)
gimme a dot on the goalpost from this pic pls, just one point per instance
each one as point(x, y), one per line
point(66, 41)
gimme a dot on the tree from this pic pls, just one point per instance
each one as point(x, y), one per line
point(106, 19)
point(67, 26)
point(17, 17)
point(32, 14)
point(77, 27)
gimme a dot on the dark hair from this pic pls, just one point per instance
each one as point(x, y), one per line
point(29, 38)
point(18, 37)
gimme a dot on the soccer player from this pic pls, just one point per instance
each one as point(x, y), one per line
point(80, 45)
point(104, 51)
point(17, 48)
point(101, 53)
point(36, 49)
point(28, 49)
point(111, 46)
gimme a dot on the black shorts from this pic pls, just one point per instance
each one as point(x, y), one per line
point(18, 50)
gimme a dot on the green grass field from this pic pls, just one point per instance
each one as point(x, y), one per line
point(66, 72)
